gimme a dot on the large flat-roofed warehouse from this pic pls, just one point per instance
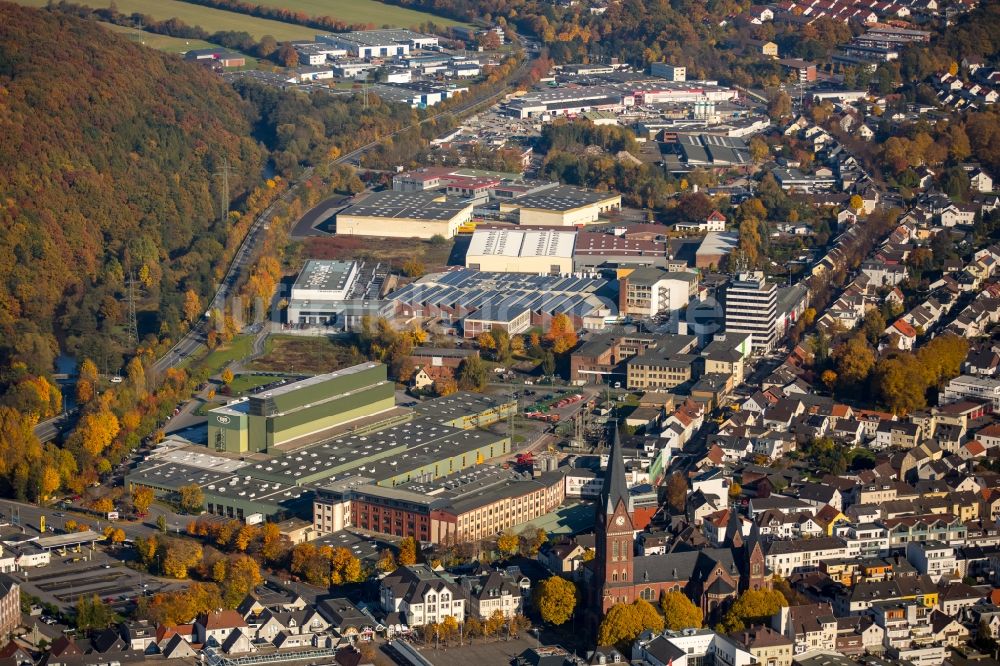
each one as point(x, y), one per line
point(558, 251)
point(715, 247)
point(515, 250)
point(404, 215)
point(283, 416)
point(691, 151)
point(596, 250)
point(357, 430)
point(461, 295)
point(562, 206)
point(326, 293)
point(379, 43)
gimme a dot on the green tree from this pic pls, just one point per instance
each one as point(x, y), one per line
point(161, 523)
point(472, 374)
point(92, 613)
point(548, 363)
point(679, 612)
point(556, 599)
point(873, 325)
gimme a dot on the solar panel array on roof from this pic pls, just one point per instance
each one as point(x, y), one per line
point(563, 197)
point(485, 294)
point(412, 205)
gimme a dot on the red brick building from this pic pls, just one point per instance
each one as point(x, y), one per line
point(711, 577)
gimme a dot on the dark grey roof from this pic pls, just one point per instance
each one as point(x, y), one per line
point(615, 489)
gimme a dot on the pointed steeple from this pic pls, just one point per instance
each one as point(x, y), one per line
point(615, 487)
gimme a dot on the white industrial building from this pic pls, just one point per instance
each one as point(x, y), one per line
point(562, 206)
point(972, 387)
point(650, 291)
point(668, 71)
point(514, 250)
point(331, 292)
point(379, 43)
point(404, 215)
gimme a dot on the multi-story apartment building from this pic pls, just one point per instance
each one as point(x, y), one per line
point(668, 365)
point(943, 527)
point(421, 596)
point(490, 592)
point(787, 557)
point(933, 558)
point(971, 387)
point(752, 307)
point(650, 291)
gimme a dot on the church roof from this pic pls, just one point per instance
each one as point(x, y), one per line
point(615, 487)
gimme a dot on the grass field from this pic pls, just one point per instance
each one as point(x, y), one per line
point(292, 353)
point(158, 42)
point(362, 11)
point(219, 358)
point(244, 383)
point(210, 19)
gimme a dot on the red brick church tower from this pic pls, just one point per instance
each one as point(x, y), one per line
point(615, 534)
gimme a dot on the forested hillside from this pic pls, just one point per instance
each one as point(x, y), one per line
point(109, 162)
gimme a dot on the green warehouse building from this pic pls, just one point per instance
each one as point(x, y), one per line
point(295, 414)
point(266, 453)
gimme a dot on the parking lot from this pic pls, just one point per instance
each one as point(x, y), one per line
point(75, 574)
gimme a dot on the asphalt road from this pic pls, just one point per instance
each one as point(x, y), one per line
point(320, 213)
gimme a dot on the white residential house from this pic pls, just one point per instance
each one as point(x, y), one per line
point(934, 558)
point(980, 181)
point(421, 595)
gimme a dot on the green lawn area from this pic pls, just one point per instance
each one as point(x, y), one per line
point(314, 355)
point(243, 383)
point(209, 19)
point(362, 11)
point(159, 42)
point(219, 358)
point(167, 44)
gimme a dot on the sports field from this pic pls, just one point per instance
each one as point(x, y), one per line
point(361, 11)
point(212, 20)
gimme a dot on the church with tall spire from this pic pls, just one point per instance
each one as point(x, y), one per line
point(711, 577)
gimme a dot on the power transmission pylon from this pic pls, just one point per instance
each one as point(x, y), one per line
point(133, 323)
point(224, 204)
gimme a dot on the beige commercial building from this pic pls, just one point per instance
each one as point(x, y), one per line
point(404, 215)
point(562, 206)
point(541, 251)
